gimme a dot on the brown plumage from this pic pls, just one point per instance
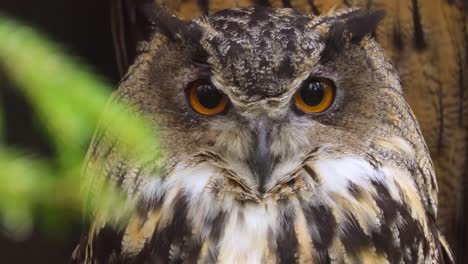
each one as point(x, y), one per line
point(161, 230)
point(427, 42)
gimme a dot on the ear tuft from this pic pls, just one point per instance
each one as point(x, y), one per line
point(349, 28)
point(174, 28)
point(168, 24)
point(363, 24)
point(162, 21)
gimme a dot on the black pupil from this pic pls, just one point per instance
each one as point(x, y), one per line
point(209, 96)
point(312, 93)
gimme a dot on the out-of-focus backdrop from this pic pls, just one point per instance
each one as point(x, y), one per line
point(82, 29)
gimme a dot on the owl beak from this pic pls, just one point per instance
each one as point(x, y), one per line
point(262, 161)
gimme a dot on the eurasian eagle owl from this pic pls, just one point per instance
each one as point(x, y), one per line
point(288, 140)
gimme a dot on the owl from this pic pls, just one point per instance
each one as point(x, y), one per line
point(288, 140)
point(426, 42)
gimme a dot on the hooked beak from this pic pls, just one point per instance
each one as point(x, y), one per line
point(261, 158)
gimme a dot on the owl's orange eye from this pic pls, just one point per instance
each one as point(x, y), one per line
point(316, 95)
point(205, 98)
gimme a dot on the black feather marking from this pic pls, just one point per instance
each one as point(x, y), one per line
point(385, 202)
point(262, 2)
point(397, 39)
point(108, 242)
point(311, 173)
point(334, 43)
point(79, 254)
point(167, 24)
point(355, 190)
point(380, 238)
point(143, 207)
point(204, 6)
point(349, 29)
point(217, 225)
point(259, 15)
point(419, 40)
point(193, 248)
point(364, 24)
point(286, 68)
point(287, 3)
point(287, 241)
point(322, 228)
point(384, 245)
point(140, 23)
point(329, 20)
point(174, 233)
point(313, 7)
point(410, 231)
point(354, 238)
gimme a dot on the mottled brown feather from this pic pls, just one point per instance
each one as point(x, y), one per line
point(427, 43)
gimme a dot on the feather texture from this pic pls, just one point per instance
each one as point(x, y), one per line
point(427, 42)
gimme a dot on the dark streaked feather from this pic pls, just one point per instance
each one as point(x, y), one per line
point(167, 24)
point(313, 7)
point(107, 244)
point(419, 40)
point(134, 21)
point(262, 2)
point(129, 27)
point(175, 29)
point(173, 234)
point(323, 232)
point(287, 240)
point(204, 5)
point(287, 3)
point(351, 28)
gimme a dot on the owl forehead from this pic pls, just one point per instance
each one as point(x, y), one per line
point(259, 52)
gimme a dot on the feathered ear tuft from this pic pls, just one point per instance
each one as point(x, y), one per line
point(350, 28)
point(169, 25)
point(175, 29)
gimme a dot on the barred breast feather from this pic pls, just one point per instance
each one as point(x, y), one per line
point(339, 210)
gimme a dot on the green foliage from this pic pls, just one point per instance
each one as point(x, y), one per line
point(69, 100)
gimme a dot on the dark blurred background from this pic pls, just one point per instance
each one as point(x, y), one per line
point(82, 29)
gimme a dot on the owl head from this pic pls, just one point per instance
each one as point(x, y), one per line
point(259, 92)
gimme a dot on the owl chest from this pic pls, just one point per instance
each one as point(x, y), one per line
point(212, 221)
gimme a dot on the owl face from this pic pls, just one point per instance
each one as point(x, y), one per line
point(261, 88)
point(287, 132)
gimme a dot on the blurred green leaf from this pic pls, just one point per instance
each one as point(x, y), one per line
point(69, 100)
point(1, 111)
point(24, 183)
